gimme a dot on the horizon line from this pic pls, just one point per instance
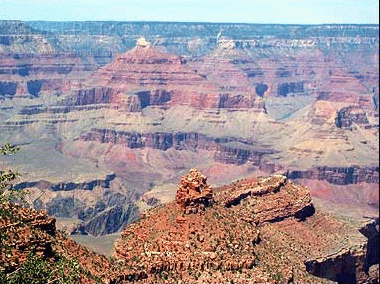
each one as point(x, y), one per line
point(191, 22)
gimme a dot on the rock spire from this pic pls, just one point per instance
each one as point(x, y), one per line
point(194, 194)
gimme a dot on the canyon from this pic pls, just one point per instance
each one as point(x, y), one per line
point(110, 115)
point(261, 230)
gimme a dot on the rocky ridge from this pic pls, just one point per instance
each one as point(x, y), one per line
point(262, 230)
point(237, 237)
point(29, 240)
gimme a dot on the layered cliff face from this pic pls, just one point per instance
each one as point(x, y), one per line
point(229, 150)
point(97, 207)
point(275, 74)
point(32, 75)
point(332, 265)
point(339, 175)
point(151, 76)
point(241, 69)
point(136, 143)
point(251, 231)
point(331, 57)
point(20, 37)
point(344, 87)
point(33, 65)
point(95, 202)
point(246, 101)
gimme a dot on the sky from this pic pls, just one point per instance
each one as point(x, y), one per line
point(230, 11)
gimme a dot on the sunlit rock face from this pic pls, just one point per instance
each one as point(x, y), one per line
point(154, 78)
point(31, 75)
point(261, 230)
point(194, 194)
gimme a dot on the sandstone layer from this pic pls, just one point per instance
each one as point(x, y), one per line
point(144, 76)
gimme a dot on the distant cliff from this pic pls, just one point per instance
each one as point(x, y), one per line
point(339, 175)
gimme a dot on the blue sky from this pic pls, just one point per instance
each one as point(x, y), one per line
point(239, 11)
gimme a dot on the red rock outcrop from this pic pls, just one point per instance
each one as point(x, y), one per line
point(262, 230)
point(194, 194)
point(27, 232)
point(254, 230)
point(270, 207)
point(189, 247)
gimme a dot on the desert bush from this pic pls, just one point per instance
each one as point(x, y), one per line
point(7, 194)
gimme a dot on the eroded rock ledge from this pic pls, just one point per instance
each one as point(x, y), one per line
point(261, 230)
point(260, 237)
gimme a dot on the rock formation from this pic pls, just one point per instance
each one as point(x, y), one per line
point(261, 230)
point(31, 75)
point(150, 76)
point(339, 175)
point(343, 87)
point(349, 115)
point(254, 229)
point(194, 194)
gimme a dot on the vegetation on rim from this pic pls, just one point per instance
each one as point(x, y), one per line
point(36, 268)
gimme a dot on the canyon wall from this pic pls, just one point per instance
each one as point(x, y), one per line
point(339, 175)
point(29, 75)
point(253, 99)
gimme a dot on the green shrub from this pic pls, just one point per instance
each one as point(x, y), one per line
point(38, 271)
point(6, 177)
